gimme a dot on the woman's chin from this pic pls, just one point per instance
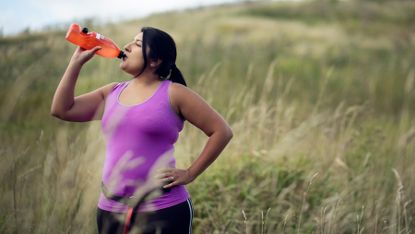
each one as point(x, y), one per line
point(123, 66)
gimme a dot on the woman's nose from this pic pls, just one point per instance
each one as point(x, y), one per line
point(127, 47)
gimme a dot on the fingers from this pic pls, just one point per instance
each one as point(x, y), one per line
point(83, 55)
point(93, 50)
point(96, 48)
point(170, 185)
point(168, 179)
point(168, 176)
point(164, 175)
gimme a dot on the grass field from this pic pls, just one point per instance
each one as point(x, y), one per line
point(320, 97)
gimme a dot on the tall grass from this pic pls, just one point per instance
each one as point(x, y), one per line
point(322, 113)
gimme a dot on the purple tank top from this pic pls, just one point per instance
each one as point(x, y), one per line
point(139, 139)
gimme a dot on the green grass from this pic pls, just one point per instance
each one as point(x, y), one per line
point(320, 96)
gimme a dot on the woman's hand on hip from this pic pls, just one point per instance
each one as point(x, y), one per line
point(172, 176)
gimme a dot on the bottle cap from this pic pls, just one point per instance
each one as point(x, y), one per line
point(121, 55)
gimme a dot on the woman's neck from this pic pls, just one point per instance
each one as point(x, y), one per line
point(147, 78)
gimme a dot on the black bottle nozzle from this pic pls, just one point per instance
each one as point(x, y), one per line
point(121, 55)
point(85, 30)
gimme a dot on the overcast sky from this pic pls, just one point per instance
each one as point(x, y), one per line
point(17, 15)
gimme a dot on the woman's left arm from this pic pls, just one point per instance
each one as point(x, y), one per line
point(195, 110)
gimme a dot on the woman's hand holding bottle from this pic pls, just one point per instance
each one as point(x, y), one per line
point(81, 56)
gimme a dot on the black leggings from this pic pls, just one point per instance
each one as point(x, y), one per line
point(170, 220)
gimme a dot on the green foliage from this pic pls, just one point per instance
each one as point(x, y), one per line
point(319, 94)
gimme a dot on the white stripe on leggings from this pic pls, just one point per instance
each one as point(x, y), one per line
point(191, 216)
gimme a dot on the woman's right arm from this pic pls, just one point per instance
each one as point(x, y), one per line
point(85, 107)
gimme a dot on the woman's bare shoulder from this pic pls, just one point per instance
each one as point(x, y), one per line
point(181, 91)
point(195, 109)
point(106, 89)
point(181, 96)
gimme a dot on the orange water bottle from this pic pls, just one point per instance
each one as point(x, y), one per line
point(88, 40)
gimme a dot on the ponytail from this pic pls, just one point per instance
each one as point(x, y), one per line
point(176, 76)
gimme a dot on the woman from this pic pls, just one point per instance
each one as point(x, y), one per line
point(141, 120)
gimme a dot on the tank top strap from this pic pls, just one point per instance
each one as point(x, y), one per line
point(161, 92)
point(120, 87)
point(165, 87)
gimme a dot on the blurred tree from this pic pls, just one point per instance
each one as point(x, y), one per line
point(25, 31)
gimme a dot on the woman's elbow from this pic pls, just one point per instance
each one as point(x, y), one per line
point(228, 133)
point(54, 113)
point(57, 114)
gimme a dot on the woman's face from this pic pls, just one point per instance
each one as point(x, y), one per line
point(134, 62)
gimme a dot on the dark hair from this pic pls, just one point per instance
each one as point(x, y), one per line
point(161, 47)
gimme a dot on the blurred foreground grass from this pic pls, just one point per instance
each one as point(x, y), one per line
point(320, 96)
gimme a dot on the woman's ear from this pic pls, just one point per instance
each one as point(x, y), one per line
point(155, 63)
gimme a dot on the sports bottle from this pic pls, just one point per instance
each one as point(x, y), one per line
point(88, 40)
